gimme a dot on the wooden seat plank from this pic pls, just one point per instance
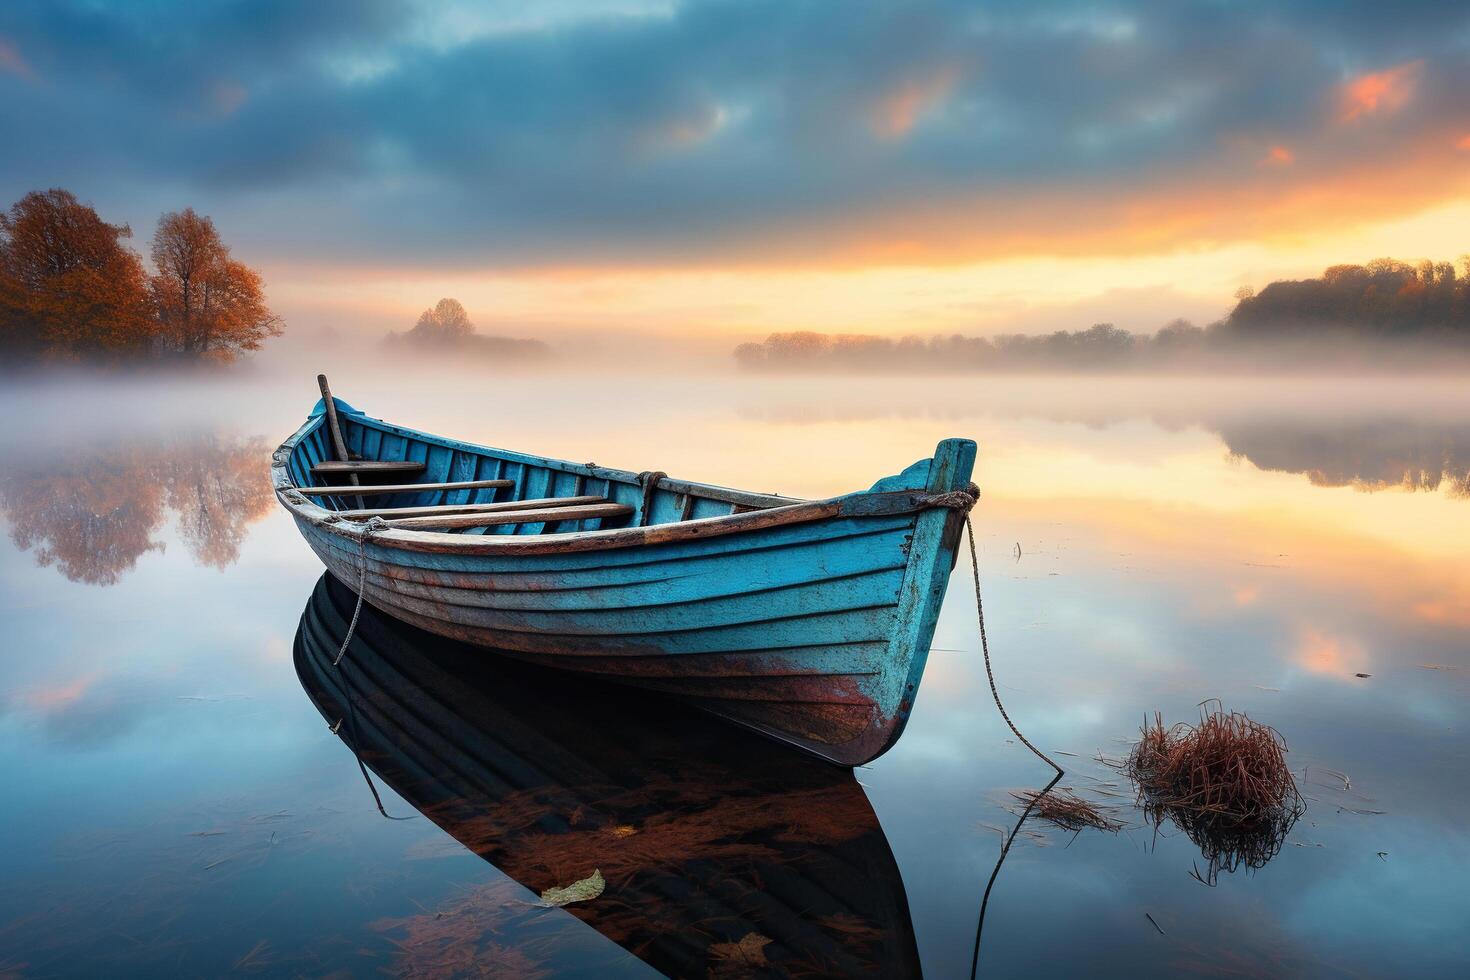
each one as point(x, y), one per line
point(334, 467)
point(408, 488)
point(504, 505)
point(540, 516)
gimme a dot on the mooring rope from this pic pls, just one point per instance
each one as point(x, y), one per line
point(357, 753)
point(995, 872)
point(985, 649)
point(961, 500)
point(373, 525)
point(995, 693)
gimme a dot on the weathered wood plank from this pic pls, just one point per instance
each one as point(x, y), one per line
point(810, 619)
point(427, 541)
point(504, 505)
point(410, 487)
point(339, 444)
point(539, 516)
point(355, 466)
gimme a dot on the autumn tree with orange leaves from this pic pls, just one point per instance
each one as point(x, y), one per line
point(69, 288)
point(209, 304)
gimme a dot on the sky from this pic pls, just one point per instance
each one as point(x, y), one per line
point(719, 170)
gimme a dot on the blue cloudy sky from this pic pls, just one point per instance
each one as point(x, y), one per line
point(788, 155)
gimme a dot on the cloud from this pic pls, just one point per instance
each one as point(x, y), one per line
point(896, 111)
point(1279, 156)
point(712, 130)
point(1381, 91)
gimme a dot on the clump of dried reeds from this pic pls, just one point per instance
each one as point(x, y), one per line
point(1067, 810)
point(1224, 782)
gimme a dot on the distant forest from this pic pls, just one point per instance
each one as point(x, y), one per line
point(71, 290)
point(446, 330)
point(1350, 312)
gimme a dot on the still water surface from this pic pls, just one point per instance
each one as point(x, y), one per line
point(176, 803)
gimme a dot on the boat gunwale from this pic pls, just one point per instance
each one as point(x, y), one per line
point(791, 511)
point(711, 491)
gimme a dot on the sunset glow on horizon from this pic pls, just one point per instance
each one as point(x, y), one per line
point(709, 170)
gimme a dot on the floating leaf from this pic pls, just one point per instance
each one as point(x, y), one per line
point(578, 891)
point(750, 951)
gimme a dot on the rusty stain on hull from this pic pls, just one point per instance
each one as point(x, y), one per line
point(809, 621)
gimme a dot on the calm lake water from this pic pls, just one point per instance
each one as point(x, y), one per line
point(176, 802)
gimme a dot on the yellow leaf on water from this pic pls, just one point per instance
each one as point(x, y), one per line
point(578, 891)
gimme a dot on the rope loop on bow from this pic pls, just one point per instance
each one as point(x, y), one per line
point(961, 500)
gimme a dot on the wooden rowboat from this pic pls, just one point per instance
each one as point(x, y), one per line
point(807, 620)
point(706, 836)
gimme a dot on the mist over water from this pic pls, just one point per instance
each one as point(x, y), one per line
point(176, 803)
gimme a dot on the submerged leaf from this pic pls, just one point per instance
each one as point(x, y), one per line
point(578, 891)
point(750, 951)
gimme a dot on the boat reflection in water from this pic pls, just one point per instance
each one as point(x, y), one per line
point(723, 852)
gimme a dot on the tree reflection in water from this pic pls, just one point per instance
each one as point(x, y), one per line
point(1367, 454)
point(93, 511)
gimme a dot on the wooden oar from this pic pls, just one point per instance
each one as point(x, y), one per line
point(441, 509)
point(545, 515)
point(339, 445)
point(355, 466)
point(411, 487)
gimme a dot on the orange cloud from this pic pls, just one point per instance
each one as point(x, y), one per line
point(1464, 142)
point(1108, 220)
point(1320, 200)
point(896, 112)
point(1278, 156)
point(12, 61)
point(1380, 91)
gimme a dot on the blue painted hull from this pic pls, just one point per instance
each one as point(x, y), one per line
point(807, 620)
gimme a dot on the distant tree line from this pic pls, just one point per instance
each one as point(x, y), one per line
point(1386, 303)
point(1384, 299)
point(71, 290)
point(446, 329)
